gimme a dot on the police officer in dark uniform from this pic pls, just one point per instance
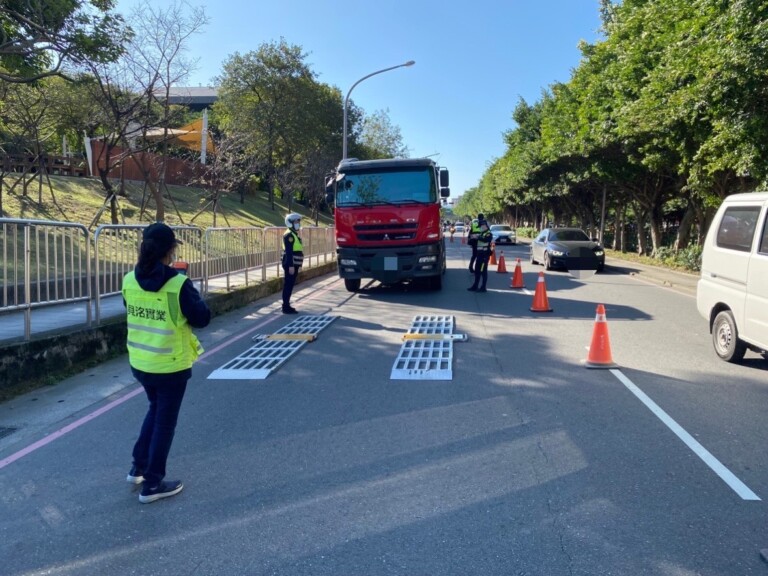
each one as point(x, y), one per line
point(474, 232)
point(484, 238)
point(293, 258)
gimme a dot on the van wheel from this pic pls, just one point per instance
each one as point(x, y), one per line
point(725, 338)
point(352, 284)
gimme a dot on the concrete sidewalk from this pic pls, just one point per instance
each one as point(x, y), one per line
point(684, 282)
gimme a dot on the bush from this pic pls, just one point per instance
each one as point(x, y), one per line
point(526, 232)
point(688, 258)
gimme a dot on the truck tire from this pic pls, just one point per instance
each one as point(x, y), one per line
point(436, 282)
point(725, 338)
point(352, 284)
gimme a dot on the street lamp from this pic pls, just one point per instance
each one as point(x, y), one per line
point(346, 100)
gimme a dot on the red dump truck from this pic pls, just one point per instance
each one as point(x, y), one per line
point(387, 216)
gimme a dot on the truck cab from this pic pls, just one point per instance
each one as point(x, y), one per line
point(387, 217)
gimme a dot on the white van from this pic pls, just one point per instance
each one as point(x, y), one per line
point(732, 293)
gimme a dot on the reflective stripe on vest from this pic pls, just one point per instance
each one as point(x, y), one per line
point(298, 248)
point(484, 242)
point(160, 340)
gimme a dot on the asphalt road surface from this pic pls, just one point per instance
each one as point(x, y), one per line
point(525, 462)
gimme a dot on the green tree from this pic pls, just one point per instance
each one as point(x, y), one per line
point(378, 138)
point(38, 38)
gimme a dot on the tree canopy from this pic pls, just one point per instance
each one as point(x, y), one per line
point(39, 37)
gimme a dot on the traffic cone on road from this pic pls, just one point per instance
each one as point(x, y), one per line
point(517, 277)
point(502, 265)
point(540, 300)
point(492, 261)
point(599, 355)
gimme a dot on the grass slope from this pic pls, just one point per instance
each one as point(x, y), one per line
point(80, 200)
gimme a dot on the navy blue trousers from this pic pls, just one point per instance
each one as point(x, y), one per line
point(481, 270)
point(165, 393)
point(289, 281)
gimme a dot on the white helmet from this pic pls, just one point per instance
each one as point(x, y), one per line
point(292, 219)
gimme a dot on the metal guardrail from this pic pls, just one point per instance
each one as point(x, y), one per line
point(43, 263)
point(46, 263)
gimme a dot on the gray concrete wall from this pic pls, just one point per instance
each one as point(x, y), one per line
point(44, 361)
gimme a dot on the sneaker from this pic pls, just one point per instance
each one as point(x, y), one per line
point(162, 490)
point(135, 476)
point(482, 290)
point(290, 310)
point(472, 289)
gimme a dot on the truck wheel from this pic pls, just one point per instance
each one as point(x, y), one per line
point(436, 282)
point(725, 338)
point(352, 284)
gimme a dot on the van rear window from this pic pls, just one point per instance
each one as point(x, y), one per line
point(737, 228)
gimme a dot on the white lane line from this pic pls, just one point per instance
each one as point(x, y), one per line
point(717, 467)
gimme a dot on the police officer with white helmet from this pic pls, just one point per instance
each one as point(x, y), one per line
point(293, 257)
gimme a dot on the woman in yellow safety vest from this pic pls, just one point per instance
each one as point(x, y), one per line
point(162, 305)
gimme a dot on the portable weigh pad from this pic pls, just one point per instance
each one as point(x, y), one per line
point(271, 350)
point(427, 350)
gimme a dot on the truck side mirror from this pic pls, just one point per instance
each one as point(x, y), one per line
point(444, 177)
point(445, 192)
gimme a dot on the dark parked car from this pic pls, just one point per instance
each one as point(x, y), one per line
point(559, 247)
point(503, 234)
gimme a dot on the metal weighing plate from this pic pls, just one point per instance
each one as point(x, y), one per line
point(427, 358)
point(270, 351)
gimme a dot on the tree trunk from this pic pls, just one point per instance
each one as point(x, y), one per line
point(642, 242)
point(684, 230)
point(654, 223)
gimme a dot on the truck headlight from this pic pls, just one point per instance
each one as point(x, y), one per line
point(348, 262)
point(599, 252)
point(426, 259)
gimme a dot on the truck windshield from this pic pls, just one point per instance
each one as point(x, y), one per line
point(399, 186)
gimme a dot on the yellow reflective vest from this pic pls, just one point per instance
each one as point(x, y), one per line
point(160, 340)
point(298, 249)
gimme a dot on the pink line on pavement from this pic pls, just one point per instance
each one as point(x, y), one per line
point(96, 413)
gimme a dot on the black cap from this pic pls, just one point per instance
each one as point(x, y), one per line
point(162, 236)
point(480, 216)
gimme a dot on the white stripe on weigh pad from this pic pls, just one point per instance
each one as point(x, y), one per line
point(717, 467)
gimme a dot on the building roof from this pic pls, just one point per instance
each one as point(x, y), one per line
point(194, 97)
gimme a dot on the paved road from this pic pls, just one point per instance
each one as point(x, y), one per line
point(524, 463)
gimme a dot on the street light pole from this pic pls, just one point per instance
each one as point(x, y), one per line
point(346, 100)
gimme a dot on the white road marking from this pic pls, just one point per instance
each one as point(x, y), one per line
point(717, 467)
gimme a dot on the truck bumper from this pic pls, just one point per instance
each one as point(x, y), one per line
point(391, 265)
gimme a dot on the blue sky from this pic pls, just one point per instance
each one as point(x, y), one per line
point(474, 60)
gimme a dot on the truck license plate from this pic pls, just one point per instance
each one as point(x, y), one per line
point(390, 263)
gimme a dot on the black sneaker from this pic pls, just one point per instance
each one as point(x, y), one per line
point(290, 310)
point(482, 290)
point(472, 289)
point(135, 476)
point(162, 490)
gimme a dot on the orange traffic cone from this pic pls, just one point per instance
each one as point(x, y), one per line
point(517, 277)
point(599, 355)
point(540, 300)
point(502, 266)
point(492, 261)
